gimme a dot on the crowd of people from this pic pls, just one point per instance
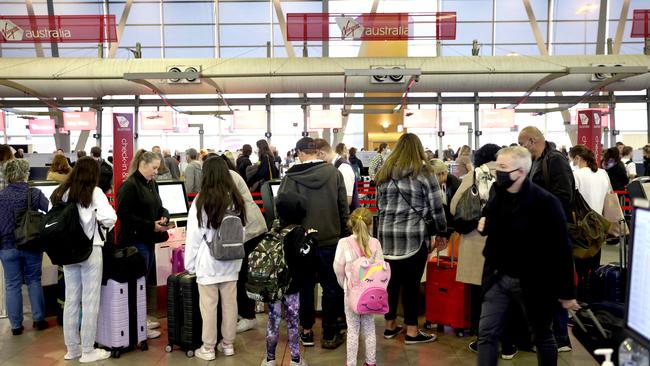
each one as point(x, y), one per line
point(526, 191)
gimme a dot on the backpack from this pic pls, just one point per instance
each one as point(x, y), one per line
point(268, 273)
point(587, 228)
point(105, 176)
point(228, 242)
point(63, 237)
point(366, 289)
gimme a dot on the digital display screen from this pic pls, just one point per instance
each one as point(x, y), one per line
point(46, 188)
point(639, 286)
point(173, 198)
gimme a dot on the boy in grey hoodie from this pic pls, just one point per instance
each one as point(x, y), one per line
point(327, 212)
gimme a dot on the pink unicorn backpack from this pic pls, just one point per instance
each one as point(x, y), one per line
point(367, 282)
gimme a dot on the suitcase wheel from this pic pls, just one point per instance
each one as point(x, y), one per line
point(428, 325)
point(169, 348)
point(115, 354)
point(189, 353)
point(460, 333)
point(144, 346)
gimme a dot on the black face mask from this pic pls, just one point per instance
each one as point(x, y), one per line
point(503, 179)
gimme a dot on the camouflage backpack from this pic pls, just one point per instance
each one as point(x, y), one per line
point(268, 272)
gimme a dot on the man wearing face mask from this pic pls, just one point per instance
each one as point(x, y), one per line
point(518, 253)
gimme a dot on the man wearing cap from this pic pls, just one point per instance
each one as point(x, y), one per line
point(327, 212)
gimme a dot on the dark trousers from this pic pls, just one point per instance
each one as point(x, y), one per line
point(246, 306)
point(406, 275)
point(147, 252)
point(504, 292)
point(332, 294)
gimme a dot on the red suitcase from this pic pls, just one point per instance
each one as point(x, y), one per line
point(447, 301)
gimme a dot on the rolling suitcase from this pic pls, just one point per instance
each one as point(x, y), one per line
point(447, 300)
point(600, 325)
point(118, 330)
point(183, 314)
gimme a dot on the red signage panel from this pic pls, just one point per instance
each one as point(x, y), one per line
point(79, 121)
point(590, 130)
point(2, 121)
point(42, 127)
point(157, 120)
point(371, 26)
point(123, 147)
point(61, 28)
point(641, 23)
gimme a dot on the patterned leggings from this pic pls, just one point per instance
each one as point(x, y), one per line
point(291, 306)
point(356, 324)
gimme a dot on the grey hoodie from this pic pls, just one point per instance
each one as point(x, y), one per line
point(327, 207)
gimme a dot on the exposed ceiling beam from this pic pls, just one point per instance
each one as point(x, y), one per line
point(120, 28)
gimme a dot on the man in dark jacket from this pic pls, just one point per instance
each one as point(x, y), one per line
point(528, 258)
point(172, 164)
point(559, 181)
point(327, 212)
point(244, 161)
point(105, 170)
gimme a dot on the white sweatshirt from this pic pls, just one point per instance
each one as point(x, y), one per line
point(198, 259)
point(99, 211)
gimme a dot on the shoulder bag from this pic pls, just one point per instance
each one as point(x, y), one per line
point(429, 222)
point(28, 226)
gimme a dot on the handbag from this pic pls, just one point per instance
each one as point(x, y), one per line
point(468, 210)
point(28, 226)
point(429, 222)
point(587, 228)
point(614, 214)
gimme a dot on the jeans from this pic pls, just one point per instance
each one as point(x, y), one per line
point(246, 306)
point(561, 326)
point(147, 252)
point(332, 294)
point(19, 266)
point(406, 275)
point(83, 288)
point(506, 291)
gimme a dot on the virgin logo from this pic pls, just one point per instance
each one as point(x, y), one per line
point(10, 31)
point(350, 28)
point(122, 121)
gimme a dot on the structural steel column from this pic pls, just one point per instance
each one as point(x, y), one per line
point(477, 129)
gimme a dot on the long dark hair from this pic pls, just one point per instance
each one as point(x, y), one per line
point(612, 153)
point(81, 183)
point(264, 149)
point(218, 194)
point(585, 154)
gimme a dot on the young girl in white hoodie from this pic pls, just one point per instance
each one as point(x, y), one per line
point(216, 279)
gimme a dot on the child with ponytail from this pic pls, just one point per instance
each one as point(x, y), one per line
point(360, 269)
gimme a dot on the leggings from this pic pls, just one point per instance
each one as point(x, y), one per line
point(358, 323)
point(291, 305)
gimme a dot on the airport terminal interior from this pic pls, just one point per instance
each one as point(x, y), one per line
point(199, 78)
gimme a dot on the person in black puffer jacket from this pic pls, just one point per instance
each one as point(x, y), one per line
point(615, 169)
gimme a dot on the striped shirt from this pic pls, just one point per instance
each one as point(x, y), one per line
point(402, 230)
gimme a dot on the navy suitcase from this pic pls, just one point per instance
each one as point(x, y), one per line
point(608, 283)
point(183, 314)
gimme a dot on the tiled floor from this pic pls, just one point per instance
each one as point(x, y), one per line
point(46, 348)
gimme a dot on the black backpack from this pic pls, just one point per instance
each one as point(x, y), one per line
point(105, 176)
point(63, 237)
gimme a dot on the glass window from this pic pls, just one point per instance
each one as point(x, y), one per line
point(469, 10)
point(237, 52)
point(22, 52)
point(77, 51)
point(141, 13)
point(194, 52)
point(192, 13)
point(566, 32)
point(77, 9)
point(467, 32)
point(244, 35)
point(517, 32)
point(526, 49)
point(572, 10)
point(193, 35)
point(13, 9)
point(146, 35)
point(244, 12)
point(301, 7)
point(515, 10)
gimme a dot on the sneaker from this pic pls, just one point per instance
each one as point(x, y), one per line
point(420, 338)
point(152, 325)
point(152, 333)
point(266, 362)
point(474, 346)
point(390, 334)
point(508, 352)
point(40, 325)
point(72, 354)
point(226, 349)
point(205, 354)
point(17, 331)
point(97, 354)
point(259, 307)
point(333, 343)
point(565, 349)
point(307, 339)
point(302, 362)
point(246, 324)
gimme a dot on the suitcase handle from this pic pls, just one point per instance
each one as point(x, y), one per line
point(450, 249)
point(585, 309)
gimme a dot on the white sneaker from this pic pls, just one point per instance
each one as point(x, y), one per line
point(301, 363)
point(565, 349)
point(72, 355)
point(226, 349)
point(151, 334)
point(265, 362)
point(97, 354)
point(246, 324)
point(152, 324)
point(205, 354)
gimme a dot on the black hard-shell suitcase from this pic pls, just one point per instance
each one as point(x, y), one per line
point(183, 313)
point(600, 325)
